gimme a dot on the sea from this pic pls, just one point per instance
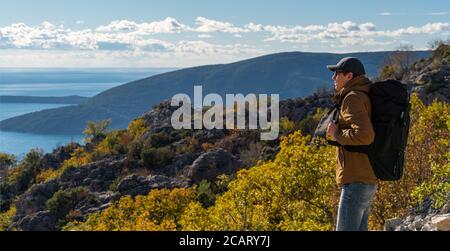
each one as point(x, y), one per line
point(55, 83)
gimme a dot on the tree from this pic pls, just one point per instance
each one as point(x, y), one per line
point(96, 131)
point(22, 176)
point(6, 162)
point(397, 64)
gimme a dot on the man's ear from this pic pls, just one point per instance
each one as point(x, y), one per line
point(349, 75)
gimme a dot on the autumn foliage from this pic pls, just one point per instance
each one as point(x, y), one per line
point(295, 191)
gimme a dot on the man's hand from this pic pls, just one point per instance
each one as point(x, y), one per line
point(332, 129)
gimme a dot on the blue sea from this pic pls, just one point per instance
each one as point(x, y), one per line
point(54, 83)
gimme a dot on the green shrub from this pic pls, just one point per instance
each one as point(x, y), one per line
point(438, 188)
point(308, 125)
point(5, 192)
point(6, 160)
point(158, 140)
point(23, 175)
point(63, 201)
point(156, 157)
point(134, 151)
point(205, 194)
point(114, 187)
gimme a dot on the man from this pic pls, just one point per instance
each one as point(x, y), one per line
point(354, 173)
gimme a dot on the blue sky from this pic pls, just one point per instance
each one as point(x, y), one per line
point(180, 33)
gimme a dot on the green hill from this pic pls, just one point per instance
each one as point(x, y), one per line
point(291, 74)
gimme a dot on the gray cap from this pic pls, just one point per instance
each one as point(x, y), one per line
point(349, 65)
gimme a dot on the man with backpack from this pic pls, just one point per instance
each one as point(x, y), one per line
point(354, 173)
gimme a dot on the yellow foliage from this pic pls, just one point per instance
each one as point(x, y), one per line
point(428, 142)
point(296, 191)
point(47, 175)
point(160, 210)
point(6, 218)
point(136, 128)
point(286, 125)
point(78, 158)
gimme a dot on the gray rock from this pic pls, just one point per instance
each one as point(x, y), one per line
point(94, 201)
point(411, 227)
point(139, 185)
point(134, 185)
point(97, 176)
point(35, 198)
point(418, 224)
point(445, 209)
point(211, 164)
point(441, 222)
point(160, 116)
point(97, 209)
point(40, 221)
point(392, 224)
point(409, 219)
point(402, 228)
point(428, 227)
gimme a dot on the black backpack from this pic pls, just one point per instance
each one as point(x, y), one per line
point(390, 101)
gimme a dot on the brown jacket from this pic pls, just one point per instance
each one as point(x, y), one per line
point(355, 128)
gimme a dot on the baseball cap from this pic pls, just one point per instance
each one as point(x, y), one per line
point(349, 64)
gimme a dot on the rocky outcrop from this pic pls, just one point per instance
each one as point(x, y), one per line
point(431, 80)
point(159, 118)
point(177, 166)
point(138, 185)
point(40, 221)
point(97, 176)
point(95, 202)
point(35, 198)
point(211, 164)
point(298, 108)
point(437, 221)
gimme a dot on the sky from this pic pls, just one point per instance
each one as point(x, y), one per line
point(181, 33)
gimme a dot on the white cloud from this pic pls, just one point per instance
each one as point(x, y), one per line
point(204, 48)
point(209, 25)
point(186, 53)
point(119, 25)
point(168, 25)
point(204, 36)
point(392, 14)
point(129, 35)
point(442, 13)
point(133, 40)
point(43, 36)
point(352, 41)
point(338, 31)
point(430, 28)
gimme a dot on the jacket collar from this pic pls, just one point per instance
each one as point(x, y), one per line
point(360, 83)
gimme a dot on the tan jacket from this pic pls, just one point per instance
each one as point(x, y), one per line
point(355, 128)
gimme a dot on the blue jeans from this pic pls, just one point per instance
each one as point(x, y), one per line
point(354, 207)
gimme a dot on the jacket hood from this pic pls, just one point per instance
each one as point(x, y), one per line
point(360, 83)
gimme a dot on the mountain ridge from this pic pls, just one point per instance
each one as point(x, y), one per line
point(74, 99)
point(290, 74)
